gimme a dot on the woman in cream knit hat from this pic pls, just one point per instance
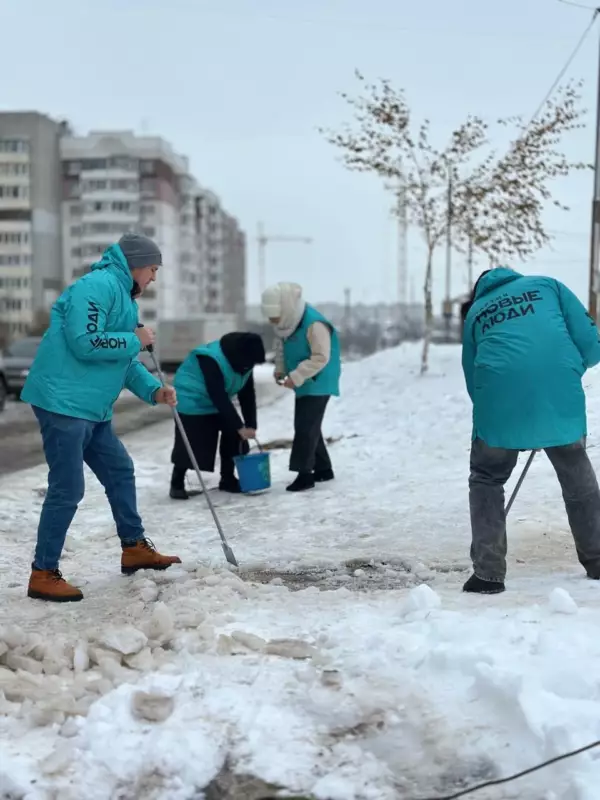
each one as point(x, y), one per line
point(307, 361)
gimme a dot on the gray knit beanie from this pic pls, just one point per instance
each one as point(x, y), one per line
point(140, 251)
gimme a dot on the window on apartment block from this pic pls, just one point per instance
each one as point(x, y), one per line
point(14, 146)
point(121, 206)
point(76, 209)
point(94, 185)
point(93, 163)
point(123, 162)
point(148, 209)
point(147, 167)
point(149, 230)
point(9, 192)
point(149, 186)
point(75, 230)
point(72, 168)
point(14, 169)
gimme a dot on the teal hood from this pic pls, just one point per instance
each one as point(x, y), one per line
point(114, 260)
point(494, 279)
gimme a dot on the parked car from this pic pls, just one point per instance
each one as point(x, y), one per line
point(18, 358)
point(3, 386)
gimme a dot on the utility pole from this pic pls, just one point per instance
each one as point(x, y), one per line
point(263, 240)
point(347, 310)
point(447, 308)
point(402, 255)
point(470, 263)
point(594, 282)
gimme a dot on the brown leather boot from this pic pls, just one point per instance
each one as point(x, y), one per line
point(143, 555)
point(47, 584)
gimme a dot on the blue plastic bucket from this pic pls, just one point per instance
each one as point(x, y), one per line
point(254, 472)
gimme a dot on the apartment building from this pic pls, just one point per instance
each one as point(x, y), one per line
point(234, 266)
point(65, 198)
point(223, 255)
point(114, 182)
point(30, 232)
point(192, 258)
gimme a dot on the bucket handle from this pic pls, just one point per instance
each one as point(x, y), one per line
point(258, 445)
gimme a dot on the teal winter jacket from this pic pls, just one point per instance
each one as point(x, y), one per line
point(192, 395)
point(296, 349)
point(527, 342)
point(89, 353)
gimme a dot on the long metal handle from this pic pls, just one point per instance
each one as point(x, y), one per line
point(229, 554)
point(520, 481)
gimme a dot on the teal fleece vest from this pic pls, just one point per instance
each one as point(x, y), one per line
point(297, 349)
point(192, 396)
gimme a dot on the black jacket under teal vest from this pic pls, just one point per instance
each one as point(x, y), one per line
point(527, 342)
point(89, 353)
point(297, 349)
point(192, 395)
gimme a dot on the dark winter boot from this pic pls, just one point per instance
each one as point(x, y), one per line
point(476, 585)
point(304, 481)
point(178, 490)
point(229, 483)
point(323, 475)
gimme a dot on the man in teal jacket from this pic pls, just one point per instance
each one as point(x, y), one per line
point(86, 358)
point(527, 343)
point(308, 361)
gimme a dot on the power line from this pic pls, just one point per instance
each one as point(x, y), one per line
point(576, 5)
point(501, 781)
point(570, 60)
point(343, 22)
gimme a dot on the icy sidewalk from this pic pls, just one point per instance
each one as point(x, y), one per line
point(401, 691)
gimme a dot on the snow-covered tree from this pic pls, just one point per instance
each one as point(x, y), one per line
point(497, 200)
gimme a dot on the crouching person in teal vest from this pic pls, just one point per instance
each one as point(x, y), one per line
point(307, 360)
point(206, 382)
point(527, 343)
point(88, 355)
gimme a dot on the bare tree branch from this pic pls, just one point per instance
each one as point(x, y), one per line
point(497, 201)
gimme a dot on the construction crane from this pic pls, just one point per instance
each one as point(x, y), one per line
point(263, 240)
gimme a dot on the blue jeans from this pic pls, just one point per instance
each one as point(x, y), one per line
point(68, 443)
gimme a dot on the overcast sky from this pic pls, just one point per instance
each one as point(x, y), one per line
point(240, 86)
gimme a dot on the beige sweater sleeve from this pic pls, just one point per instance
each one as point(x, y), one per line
point(319, 340)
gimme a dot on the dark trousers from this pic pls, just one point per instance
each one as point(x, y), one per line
point(68, 443)
point(491, 467)
point(309, 452)
point(203, 432)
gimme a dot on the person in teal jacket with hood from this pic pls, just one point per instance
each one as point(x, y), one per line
point(307, 361)
point(207, 381)
point(86, 358)
point(527, 343)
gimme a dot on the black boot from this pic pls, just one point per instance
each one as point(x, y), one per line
point(323, 475)
point(476, 585)
point(178, 490)
point(229, 483)
point(304, 481)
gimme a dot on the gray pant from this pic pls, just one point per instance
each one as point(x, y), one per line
point(491, 467)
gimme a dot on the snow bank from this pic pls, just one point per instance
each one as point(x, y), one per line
point(341, 661)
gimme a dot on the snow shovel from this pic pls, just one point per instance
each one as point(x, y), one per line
point(226, 548)
point(520, 481)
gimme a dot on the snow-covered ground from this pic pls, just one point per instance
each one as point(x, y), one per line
point(341, 661)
